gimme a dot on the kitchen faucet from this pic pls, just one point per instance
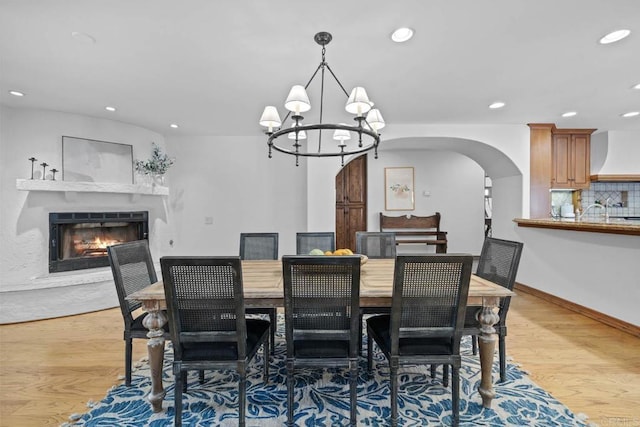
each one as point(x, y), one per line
point(598, 205)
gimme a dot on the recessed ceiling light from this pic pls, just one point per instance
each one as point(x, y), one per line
point(497, 104)
point(16, 93)
point(637, 86)
point(112, 109)
point(631, 114)
point(569, 114)
point(174, 126)
point(402, 34)
point(83, 37)
point(614, 36)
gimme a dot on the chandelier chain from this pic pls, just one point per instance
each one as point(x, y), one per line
point(321, 103)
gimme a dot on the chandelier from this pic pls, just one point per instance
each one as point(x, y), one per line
point(289, 138)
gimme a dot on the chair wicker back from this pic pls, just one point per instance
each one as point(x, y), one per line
point(322, 297)
point(258, 246)
point(306, 241)
point(205, 305)
point(376, 244)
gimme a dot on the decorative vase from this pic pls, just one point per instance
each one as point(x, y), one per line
point(158, 179)
point(143, 178)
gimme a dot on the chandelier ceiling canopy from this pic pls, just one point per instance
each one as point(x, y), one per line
point(345, 139)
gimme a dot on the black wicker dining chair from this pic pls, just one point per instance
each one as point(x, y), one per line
point(427, 316)
point(321, 297)
point(209, 330)
point(132, 269)
point(307, 241)
point(376, 244)
point(499, 261)
point(261, 246)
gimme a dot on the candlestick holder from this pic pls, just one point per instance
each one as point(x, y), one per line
point(53, 174)
point(44, 168)
point(32, 160)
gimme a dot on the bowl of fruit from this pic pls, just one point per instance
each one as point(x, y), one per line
point(339, 252)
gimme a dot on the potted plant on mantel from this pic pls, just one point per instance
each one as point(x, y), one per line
point(156, 166)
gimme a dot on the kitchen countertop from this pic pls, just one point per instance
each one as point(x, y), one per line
point(613, 226)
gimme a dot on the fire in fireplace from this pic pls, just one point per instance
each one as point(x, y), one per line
point(79, 240)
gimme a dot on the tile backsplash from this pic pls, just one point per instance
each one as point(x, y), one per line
point(624, 198)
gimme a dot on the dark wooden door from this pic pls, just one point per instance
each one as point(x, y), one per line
point(351, 202)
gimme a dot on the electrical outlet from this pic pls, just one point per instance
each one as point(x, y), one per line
point(208, 220)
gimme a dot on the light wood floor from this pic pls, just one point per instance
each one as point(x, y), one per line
point(50, 369)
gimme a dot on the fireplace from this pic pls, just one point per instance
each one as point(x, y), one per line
point(79, 240)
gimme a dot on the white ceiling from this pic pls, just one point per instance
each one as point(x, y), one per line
point(211, 66)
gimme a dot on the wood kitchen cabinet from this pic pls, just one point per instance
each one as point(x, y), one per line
point(351, 202)
point(559, 158)
point(571, 158)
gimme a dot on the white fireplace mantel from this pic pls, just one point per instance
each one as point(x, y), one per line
point(72, 188)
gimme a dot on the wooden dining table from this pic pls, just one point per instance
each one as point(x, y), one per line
point(262, 284)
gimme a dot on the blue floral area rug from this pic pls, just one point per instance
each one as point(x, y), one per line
point(322, 398)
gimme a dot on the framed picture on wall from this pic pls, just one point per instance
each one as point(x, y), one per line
point(88, 160)
point(399, 194)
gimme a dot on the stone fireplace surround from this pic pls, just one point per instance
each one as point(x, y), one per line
point(46, 295)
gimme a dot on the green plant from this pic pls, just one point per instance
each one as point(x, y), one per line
point(158, 164)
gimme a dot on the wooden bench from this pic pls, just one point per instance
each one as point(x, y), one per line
point(412, 229)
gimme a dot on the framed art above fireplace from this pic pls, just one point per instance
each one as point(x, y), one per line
point(89, 160)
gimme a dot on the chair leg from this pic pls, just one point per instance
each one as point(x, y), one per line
point(369, 356)
point(455, 394)
point(179, 377)
point(474, 344)
point(290, 390)
point(393, 380)
point(273, 317)
point(433, 370)
point(265, 367)
point(360, 335)
point(503, 358)
point(202, 376)
point(242, 394)
point(127, 360)
point(353, 378)
point(183, 377)
point(445, 375)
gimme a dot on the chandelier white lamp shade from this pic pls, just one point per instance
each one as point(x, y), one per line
point(298, 101)
point(270, 118)
point(358, 102)
point(366, 128)
point(342, 135)
point(375, 120)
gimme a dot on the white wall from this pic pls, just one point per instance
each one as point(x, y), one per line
point(231, 181)
point(456, 187)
